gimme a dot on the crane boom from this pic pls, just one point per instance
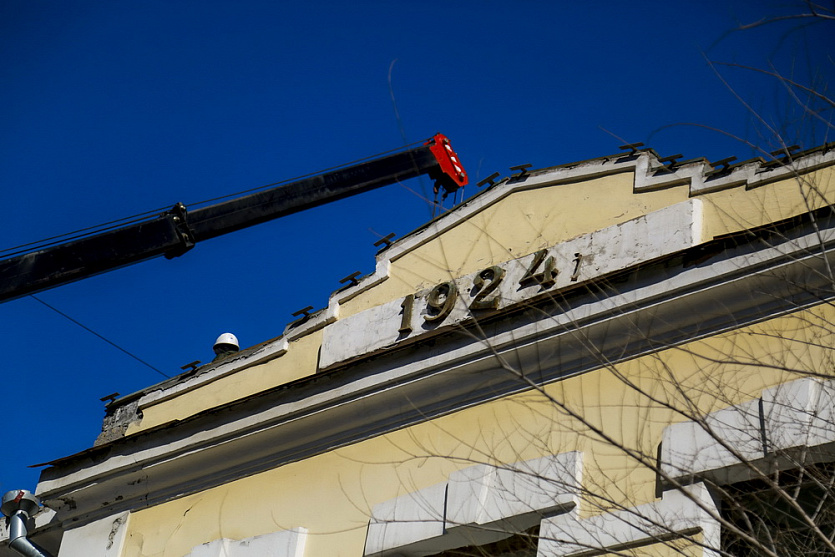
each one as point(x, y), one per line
point(174, 232)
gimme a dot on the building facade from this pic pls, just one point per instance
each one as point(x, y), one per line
point(621, 355)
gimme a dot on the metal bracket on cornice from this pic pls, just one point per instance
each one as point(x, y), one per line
point(191, 366)
point(489, 180)
point(785, 152)
point(632, 147)
point(303, 315)
point(110, 398)
point(352, 279)
point(672, 160)
point(522, 171)
point(725, 165)
point(384, 240)
point(303, 312)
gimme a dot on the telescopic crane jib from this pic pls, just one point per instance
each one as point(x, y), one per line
point(177, 230)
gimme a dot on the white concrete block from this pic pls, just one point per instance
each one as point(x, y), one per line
point(795, 415)
point(406, 519)
point(485, 494)
point(678, 513)
point(216, 548)
point(102, 538)
point(724, 438)
point(799, 414)
point(285, 543)
point(468, 492)
point(477, 505)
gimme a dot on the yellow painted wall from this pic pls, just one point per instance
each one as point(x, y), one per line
point(598, 413)
point(736, 209)
point(299, 361)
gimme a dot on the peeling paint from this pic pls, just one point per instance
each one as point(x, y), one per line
point(118, 523)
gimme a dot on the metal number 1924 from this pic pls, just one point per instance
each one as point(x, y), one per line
point(441, 300)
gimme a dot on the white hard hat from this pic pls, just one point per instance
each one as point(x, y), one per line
point(227, 339)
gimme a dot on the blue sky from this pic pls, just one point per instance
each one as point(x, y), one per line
point(113, 108)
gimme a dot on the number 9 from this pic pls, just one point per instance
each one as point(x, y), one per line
point(441, 300)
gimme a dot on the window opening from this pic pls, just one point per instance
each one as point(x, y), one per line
point(762, 512)
point(522, 544)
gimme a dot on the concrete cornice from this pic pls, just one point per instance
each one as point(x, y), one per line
point(650, 175)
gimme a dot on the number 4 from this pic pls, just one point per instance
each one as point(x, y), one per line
point(545, 278)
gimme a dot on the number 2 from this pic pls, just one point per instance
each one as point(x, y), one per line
point(494, 276)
